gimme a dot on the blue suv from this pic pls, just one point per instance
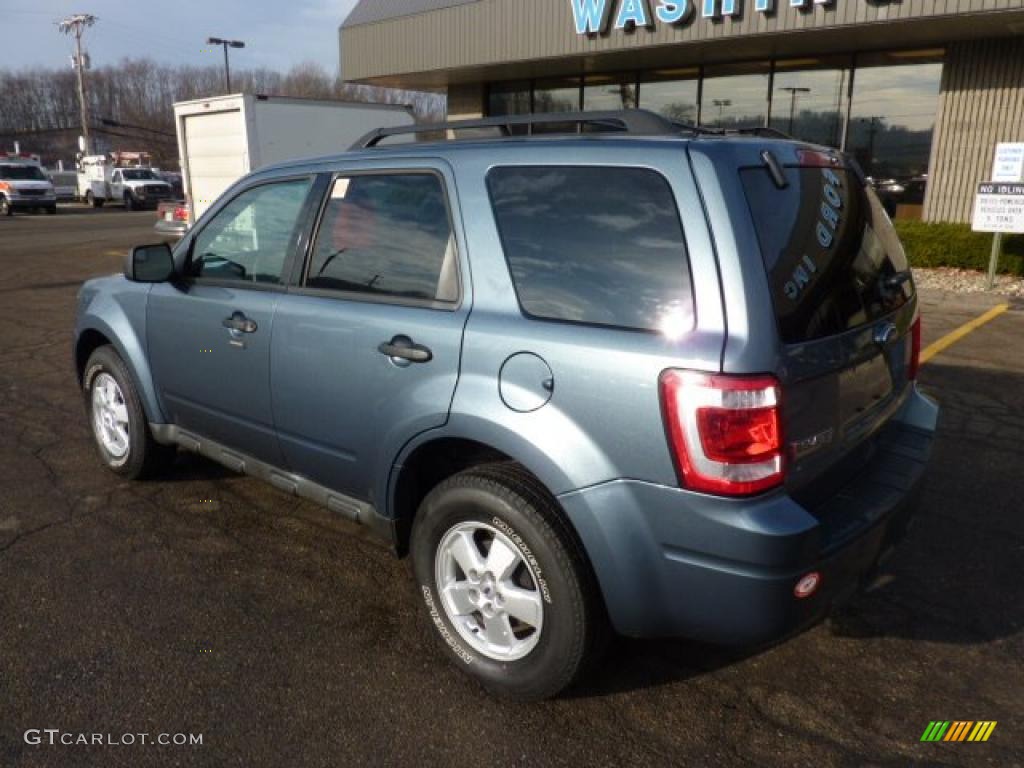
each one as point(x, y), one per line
point(601, 371)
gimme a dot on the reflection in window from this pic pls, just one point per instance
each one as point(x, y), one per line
point(892, 115)
point(558, 95)
point(735, 98)
point(509, 98)
point(594, 245)
point(672, 93)
point(249, 238)
point(807, 103)
point(386, 234)
point(608, 92)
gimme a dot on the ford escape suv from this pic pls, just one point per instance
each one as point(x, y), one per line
point(637, 376)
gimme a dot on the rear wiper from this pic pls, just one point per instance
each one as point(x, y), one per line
point(775, 169)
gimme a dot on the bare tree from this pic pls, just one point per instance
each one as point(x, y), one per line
point(131, 103)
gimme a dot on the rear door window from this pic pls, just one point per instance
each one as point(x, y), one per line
point(833, 259)
point(595, 245)
point(387, 235)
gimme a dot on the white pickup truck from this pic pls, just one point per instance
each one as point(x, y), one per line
point(100, 181)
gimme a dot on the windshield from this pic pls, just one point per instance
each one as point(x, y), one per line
point(22, 173)
point(139, 175)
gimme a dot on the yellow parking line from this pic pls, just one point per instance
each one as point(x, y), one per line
point(952, 338)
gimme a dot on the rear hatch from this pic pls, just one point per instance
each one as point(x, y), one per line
point(845, 308)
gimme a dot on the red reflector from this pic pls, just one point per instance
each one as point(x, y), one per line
point(725, 431)
point(915, 349)
point(807, 585)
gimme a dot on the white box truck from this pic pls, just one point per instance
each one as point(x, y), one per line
point(223, 138)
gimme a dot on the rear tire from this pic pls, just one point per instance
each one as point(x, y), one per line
point(51, 210)
point(118, 420)
point(508, 590)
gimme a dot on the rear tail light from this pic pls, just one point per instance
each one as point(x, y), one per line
point(725, 431)
point(915, 349)
point(181, 213)
point(817, 158)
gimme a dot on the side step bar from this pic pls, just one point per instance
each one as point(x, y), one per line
point(292, 484)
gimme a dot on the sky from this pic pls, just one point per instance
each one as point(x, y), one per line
point(277, 34)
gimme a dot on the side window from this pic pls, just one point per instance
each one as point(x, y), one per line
point(595, 245)
point(387, 235)
point(249, 238)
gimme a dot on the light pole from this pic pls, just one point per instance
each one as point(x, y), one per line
point(721, 104)
point(227, 44)
point(75, 25)
point(793, 91)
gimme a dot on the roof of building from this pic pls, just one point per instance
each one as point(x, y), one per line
point(372, 11)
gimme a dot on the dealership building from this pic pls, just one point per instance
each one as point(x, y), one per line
point(920, 91)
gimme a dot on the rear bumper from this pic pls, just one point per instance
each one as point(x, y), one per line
point(675, 563)
point(170, 228)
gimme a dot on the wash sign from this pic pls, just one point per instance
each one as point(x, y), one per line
point(593, 17)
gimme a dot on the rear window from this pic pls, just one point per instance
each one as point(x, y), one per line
point(829, 249)
point(596, 245)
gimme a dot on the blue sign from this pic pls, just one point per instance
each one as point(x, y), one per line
point(593, 17)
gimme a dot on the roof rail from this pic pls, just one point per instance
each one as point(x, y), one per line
point(639, 122)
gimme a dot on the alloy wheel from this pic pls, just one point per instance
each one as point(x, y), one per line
point(489, 591)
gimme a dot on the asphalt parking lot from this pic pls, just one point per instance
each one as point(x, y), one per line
point(208, 603)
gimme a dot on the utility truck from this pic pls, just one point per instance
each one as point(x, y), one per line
point(221, 139)
point(121, 177)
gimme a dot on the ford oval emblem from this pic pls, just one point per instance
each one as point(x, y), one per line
point(885, 334)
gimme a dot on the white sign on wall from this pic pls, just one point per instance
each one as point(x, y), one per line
point(1009, 162)
point(999, 208)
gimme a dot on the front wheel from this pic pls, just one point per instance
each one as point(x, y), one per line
point(506, 586)
point(118, 421)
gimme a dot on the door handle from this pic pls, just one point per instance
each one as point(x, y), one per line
point(240, 323)
point(404, 348)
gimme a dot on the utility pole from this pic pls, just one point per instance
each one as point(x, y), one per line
point(793, 91)
point(227, 44)
point(75, 25)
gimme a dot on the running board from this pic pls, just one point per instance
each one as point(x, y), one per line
point(292, 484)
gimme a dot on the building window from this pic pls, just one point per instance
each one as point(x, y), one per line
point(735, 96)
point(509, 98)
point(673, 93)
point(892, 116)
point(558, 95)
point(809, 100)
point(609, 92)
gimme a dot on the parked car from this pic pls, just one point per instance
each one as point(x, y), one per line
point(895, 192)
point(658, 379)
point(65, 185)
point(24, 186)
point(171, 219)
point(174, 181)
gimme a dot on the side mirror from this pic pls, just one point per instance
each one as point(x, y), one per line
point(150, 264)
